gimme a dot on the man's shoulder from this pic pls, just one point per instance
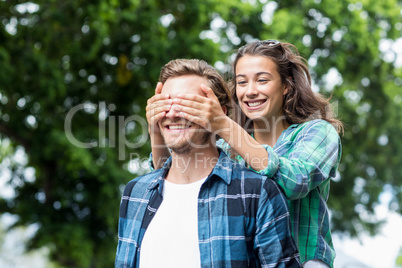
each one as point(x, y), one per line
point(266, 184)
point(142, 182)
point(242, 176)
point(251, 178)
point(257, 188)
point(239, 170)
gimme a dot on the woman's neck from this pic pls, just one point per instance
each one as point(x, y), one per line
point(268, 131)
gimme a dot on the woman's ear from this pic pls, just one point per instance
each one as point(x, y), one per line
point(288, 86)
point(286, 90)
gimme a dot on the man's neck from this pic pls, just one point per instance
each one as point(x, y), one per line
point(192, 166)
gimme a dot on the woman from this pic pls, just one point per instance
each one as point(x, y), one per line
point(282, 129)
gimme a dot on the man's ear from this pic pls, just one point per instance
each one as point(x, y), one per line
point(224, 109)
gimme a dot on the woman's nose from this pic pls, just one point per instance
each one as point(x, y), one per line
point(251, 90)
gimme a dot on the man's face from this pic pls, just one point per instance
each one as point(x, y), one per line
point(181, 135)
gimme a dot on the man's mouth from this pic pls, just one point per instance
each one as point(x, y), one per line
point(253, 104)
point(177, 127)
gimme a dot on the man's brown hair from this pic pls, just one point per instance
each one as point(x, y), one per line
point(180, 67)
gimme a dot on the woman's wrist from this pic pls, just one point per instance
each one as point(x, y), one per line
point(225, 128)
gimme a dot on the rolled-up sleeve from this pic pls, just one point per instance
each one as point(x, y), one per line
point(311, 160)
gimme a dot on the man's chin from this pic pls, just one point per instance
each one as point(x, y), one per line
point(187, 145)
point(181, 149)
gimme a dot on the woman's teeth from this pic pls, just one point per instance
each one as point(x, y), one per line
point(253, 104)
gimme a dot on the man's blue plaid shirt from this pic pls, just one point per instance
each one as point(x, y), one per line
point(243, 218)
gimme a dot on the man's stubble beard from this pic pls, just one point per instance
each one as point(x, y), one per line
point(190, 144)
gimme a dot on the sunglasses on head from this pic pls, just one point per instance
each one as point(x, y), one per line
point(269, 42)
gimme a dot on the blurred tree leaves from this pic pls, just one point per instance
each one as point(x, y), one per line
point(398, 261)
point(104, 57)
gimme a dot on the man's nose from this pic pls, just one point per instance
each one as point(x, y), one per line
point(173, 112)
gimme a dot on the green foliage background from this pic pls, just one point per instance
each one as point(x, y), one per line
point(55, 55)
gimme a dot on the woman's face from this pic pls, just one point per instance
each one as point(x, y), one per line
point(259, 88)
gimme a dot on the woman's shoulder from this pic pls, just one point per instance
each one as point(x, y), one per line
point(315, 124)
point(316, 127)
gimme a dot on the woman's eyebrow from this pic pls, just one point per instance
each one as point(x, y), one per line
point(267, 73)
point(257, 74)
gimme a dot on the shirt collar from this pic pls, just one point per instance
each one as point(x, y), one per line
point(160, 176)
point(223, 170)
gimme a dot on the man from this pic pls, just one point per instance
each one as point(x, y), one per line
point(201, 209)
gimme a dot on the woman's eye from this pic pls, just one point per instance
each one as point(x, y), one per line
point(241, 82)
point(262, 80)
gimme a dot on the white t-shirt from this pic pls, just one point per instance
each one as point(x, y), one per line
point(315, 264)
point(171, 239)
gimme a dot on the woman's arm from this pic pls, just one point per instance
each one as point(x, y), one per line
point(311, 161)
point(313, 158)
point(208, 113)
point(156, 109)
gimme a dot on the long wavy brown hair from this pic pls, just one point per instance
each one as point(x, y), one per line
point(300, 104)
